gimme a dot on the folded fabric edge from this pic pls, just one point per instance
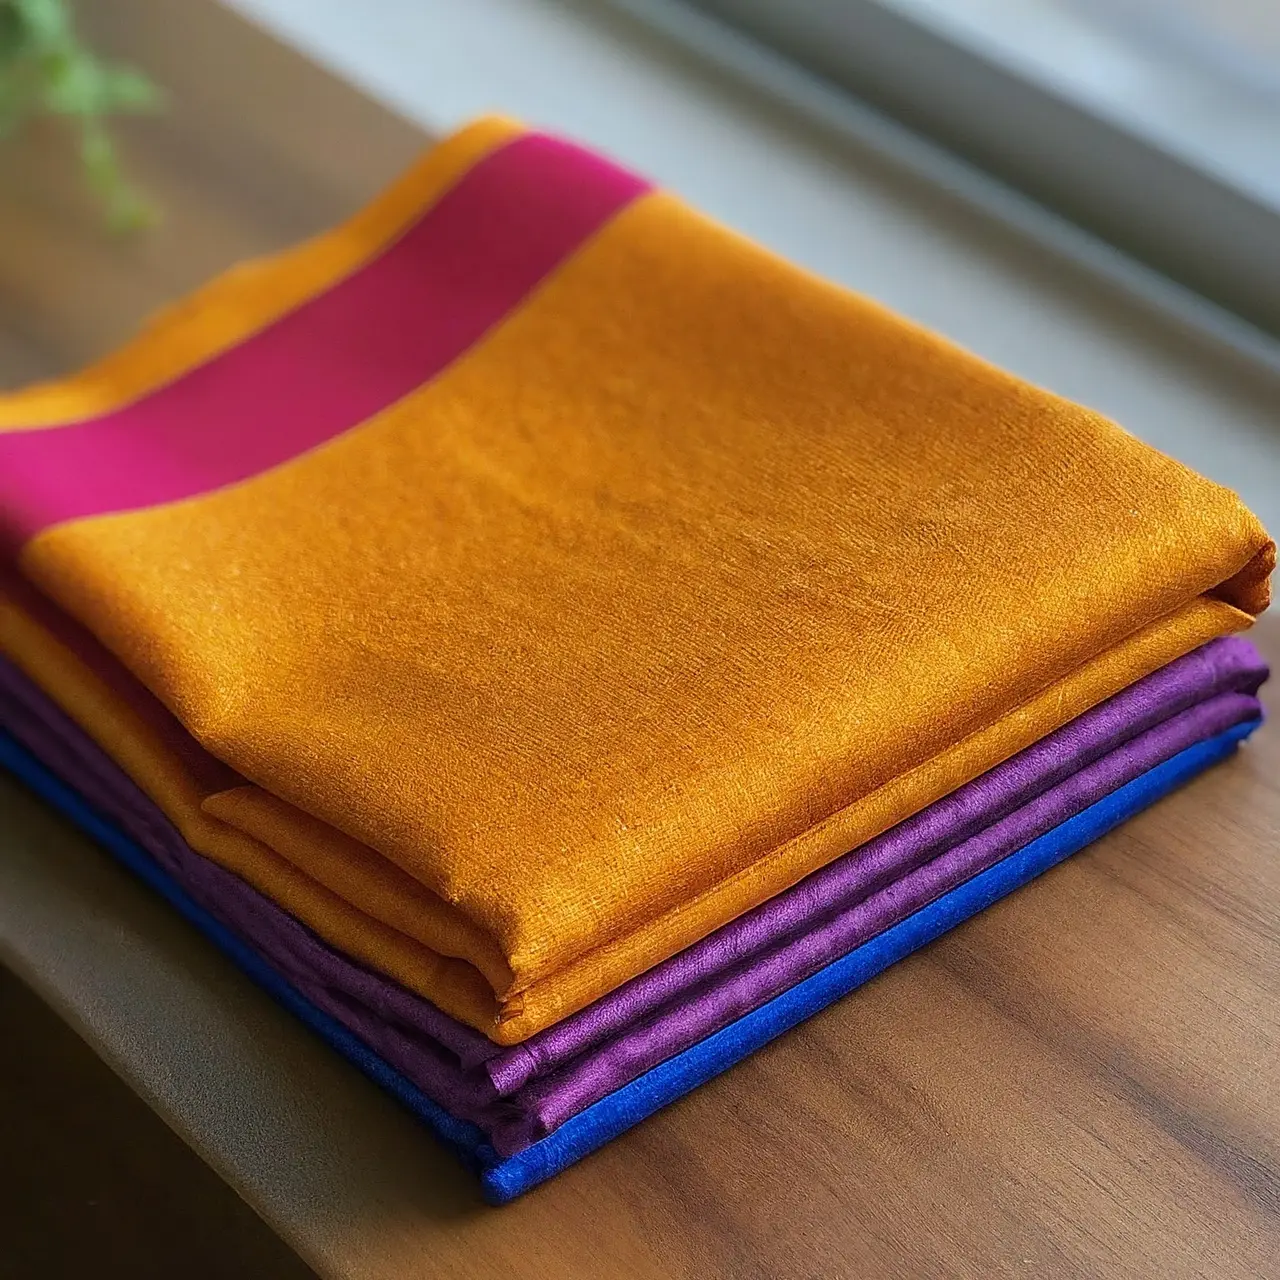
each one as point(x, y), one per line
point(1227, 664)
point(560, 992)
point(550, 1101)
point(503, 1180)
point(1187, 701)
point(72, 671)
point(462, 1137)
point(1249, 588)
point(679, 1075)
point(525, 1014)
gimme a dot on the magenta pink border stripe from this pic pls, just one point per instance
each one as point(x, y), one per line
point(334, 362)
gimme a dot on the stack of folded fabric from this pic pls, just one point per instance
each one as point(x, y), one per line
point(554, 646)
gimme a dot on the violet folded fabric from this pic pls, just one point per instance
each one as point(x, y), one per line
point(520, 1094)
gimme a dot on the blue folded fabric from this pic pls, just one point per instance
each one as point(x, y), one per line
point(505, 1179)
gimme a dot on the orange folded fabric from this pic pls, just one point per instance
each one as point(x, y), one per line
point(529, 576)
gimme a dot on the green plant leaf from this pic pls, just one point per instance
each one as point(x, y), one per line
point(127, 90)
point(72, 85)
point(126, 209)
point(13, 35)
point(46, 22)
point(18, 88)
point(45, 69)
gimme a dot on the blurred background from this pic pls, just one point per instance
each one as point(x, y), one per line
point(1151, 123)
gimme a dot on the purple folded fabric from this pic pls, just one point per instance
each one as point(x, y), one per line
point(520, 1094)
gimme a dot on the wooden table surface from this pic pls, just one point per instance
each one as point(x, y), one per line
point(1083, 1081)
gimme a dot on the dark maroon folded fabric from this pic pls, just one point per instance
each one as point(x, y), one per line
point(520, 1094)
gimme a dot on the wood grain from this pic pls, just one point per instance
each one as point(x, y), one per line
point(1082, 1082)
point(93, 1182)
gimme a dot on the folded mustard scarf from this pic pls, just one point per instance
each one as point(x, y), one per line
point(530, 576)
